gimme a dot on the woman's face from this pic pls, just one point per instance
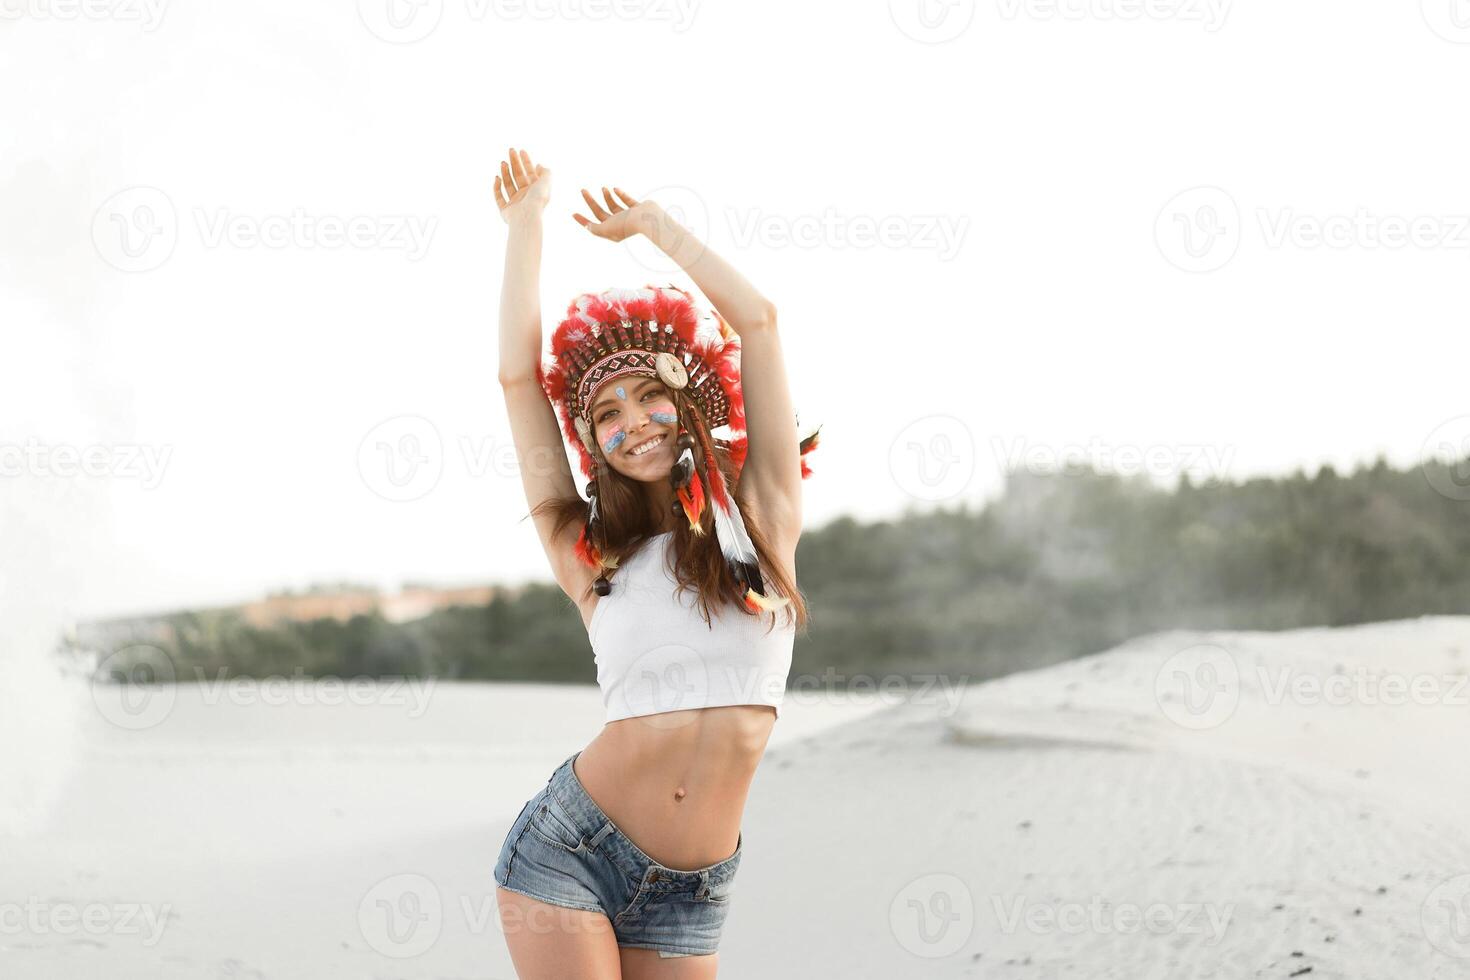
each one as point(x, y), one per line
point(634, 412)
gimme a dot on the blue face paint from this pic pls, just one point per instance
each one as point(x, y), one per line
point(667, 418)
point(614, 441)
point(621, 392)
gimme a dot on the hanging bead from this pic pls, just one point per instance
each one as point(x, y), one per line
point(602, 586)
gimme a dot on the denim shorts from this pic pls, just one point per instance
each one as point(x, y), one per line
point(563, 850)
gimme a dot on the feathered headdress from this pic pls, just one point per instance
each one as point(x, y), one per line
point(656, 332)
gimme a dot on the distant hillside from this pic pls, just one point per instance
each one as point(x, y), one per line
point(1059, 566)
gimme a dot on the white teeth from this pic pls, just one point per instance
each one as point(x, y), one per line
point(651, 444)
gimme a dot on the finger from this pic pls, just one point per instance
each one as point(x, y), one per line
point(517, 170)
point(500, 200)
point(581, 220)
point(612, 205)
point(597, 211)
point(532, 172)
point(628, 199)
point(510, 185)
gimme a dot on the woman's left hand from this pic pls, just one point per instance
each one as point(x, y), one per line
point(618, 221)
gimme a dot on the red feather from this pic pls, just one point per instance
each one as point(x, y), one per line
point(586, 550)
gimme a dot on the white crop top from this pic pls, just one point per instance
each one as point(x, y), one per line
point(655, 653)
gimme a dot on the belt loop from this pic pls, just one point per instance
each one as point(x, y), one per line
point(703, 886)
point(597, 838)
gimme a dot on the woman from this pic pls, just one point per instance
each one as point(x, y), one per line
point(681, 563)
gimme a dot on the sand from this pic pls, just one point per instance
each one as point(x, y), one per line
point(1092, 819)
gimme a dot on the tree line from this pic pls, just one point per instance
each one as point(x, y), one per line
point(1056, 566)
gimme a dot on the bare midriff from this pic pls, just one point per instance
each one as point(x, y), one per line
point(675, 783)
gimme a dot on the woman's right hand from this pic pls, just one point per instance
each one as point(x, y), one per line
point(521, 189)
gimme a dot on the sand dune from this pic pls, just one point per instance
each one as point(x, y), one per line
point(1183, 806)
point(1071, 822)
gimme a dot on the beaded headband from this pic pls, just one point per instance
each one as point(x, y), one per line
point(654, 332)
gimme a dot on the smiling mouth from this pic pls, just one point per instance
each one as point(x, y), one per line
point(644, 447)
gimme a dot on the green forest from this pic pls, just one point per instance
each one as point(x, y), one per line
point(1055, 567)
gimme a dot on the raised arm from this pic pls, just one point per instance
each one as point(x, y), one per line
point(771, 476)
point(521, 192)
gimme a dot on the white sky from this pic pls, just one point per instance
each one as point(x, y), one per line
point(1049, 144)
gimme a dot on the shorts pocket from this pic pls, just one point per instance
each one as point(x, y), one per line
point(634, 906)
point(721, 893)
point(555, 828)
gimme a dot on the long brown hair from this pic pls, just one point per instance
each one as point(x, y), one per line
point(699, 564)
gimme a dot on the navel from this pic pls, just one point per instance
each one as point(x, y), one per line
point(679, 794)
